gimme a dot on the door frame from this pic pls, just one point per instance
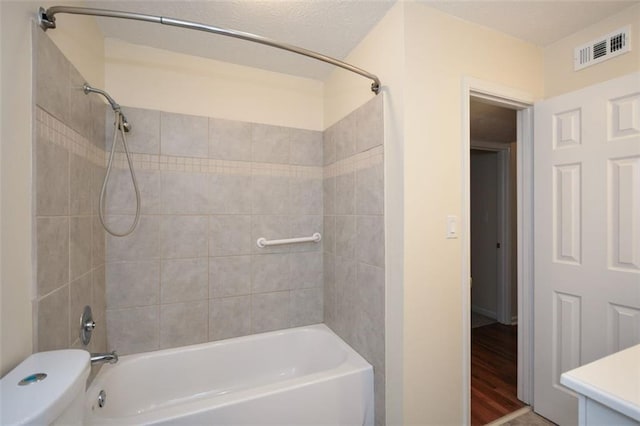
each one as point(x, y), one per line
point(522, 102)
point(503, 294)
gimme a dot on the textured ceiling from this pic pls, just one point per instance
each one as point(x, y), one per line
point(331, 27)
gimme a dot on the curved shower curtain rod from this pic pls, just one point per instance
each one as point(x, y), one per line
point(47, 20)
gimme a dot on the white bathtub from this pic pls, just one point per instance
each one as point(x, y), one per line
point(300, 376)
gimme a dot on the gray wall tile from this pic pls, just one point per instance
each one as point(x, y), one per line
point(306, 306)
point(370, 125)
point(184, 193)
point(229, 235)
point(177, 324)
point(270, 311)
point(306, 147)
point(184, 236)
point(270, 144)
point(229, 276)
point(79, 185)
point(347, 306)
point(270, 194)
point(79, 104)
point(184, 280)
point(229, 139)
point(98, 123)
point(329, 195)
point(346, 236)
point(142, 244)
point(305, 226)
point(52, 253)
point(97, 178)
point(370, 239)
point(121, 195)
point(329, 146)
point(80, 294)
point(354, 285)
point(370, 284)
point(144, 137)
point(230, 194)
point(229, 317)
point(52, 76)
point(306, 269)
point(99, 293)
point(329, 290)
point(370, 190)
point(70, 244)
point(80, 228)
point(329, 234)
point(345, 137)
point(131, 284)
point(98, 243)
point(184, 135)
point(306, 196)
point(53, 321)
point(270, 272)
point(52, 179)
point(128, 339)
point(270, 228)
point(345, 195)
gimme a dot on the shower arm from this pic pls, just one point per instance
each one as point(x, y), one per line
point(47, 20)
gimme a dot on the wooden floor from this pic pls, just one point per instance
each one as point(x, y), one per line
point(494, 375)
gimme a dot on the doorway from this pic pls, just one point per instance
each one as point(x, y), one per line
point(520, 103)
point(493, 132)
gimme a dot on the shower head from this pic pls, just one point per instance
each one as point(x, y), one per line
point(114, 105)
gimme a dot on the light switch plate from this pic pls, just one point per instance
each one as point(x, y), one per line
point(452, 227)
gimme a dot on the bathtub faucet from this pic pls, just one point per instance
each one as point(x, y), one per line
point(111, 358)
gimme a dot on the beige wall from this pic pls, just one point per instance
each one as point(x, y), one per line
point(151, 78)
point(16, 197)
point(559, 76)
point(17, 109)
point(441, 50)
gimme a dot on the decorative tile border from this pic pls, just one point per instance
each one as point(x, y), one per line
point(362, 160)
point(52, 130)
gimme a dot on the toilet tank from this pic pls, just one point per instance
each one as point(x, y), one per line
point(47, 388)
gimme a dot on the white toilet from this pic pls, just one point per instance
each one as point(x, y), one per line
point(46, 389)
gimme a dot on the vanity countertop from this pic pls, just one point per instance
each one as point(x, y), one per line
point(613, 381)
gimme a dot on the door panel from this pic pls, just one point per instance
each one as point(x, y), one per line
point(587, 234)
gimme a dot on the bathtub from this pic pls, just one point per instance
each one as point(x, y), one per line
point(299, 376)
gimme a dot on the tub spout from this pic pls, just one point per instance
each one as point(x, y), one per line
point(111, 358)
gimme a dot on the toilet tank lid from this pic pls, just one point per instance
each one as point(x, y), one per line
point(42, 401)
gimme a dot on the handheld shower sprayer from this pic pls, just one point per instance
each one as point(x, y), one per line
point(120, 126)
point(114, 105)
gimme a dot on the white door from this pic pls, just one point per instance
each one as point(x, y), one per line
point(587, 234)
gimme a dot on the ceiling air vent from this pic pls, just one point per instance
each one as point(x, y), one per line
point(602, 48)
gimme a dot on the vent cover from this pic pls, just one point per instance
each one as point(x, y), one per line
point(602, 48)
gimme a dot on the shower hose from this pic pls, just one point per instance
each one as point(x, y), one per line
point(118, 127)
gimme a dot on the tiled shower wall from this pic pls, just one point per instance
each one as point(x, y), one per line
point(69, 242)
point(354, 276)
point(191, 272)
